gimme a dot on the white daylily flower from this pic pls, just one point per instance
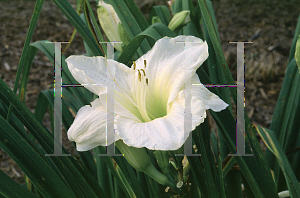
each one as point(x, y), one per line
point(148, 99)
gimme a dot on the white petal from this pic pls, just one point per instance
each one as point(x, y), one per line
point(167, 62)
point(209, 99)
point(89, 127)
point(119, 108)
point(165, 133)
point(97, 74)
point(90, 72)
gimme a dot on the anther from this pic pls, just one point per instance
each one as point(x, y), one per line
point(140, 76)
point(134, 65)
point(144, 72)
point(147, 81)
point(145, 63)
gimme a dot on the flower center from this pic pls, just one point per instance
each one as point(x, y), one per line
point(146, 109)
point(141, 87)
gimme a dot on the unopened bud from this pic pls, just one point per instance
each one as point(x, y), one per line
point(109, 21)
point(179, 20)
point(156, 19)
point(123, 34)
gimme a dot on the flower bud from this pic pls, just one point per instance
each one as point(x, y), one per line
point(109, 21)
point(139, 159)
point(123, 34)
point(156, 19)
point(180, 19)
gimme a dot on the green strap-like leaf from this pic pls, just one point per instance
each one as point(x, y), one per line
point(217, 46)
point(35, 16)
point(81, 93)
point(249, 166)
point(132, 20)
point(297, 53)
point(129, 174)
point(297, 33)
point(33, 165)
point(208, 163)
point(31, 54)
point(274, 146)
point(198, 173)
point(95, 26)
point(191, 28)
point(9, 188)
point(116, 171)
point(283, 108)
point(162, 12)
point(65, 164)
point(80, 26)
point(47, 97)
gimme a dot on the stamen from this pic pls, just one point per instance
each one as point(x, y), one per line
point(145, 63)
point(134, 65)
point(140, 96)
point(144, 72)
point(140, 75)
point(147, 81)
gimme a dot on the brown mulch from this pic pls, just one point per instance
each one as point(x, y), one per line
point(269, 24)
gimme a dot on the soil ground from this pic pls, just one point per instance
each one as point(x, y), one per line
point(269, 24)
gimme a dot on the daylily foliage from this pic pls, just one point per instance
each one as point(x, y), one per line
point(149, 102)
